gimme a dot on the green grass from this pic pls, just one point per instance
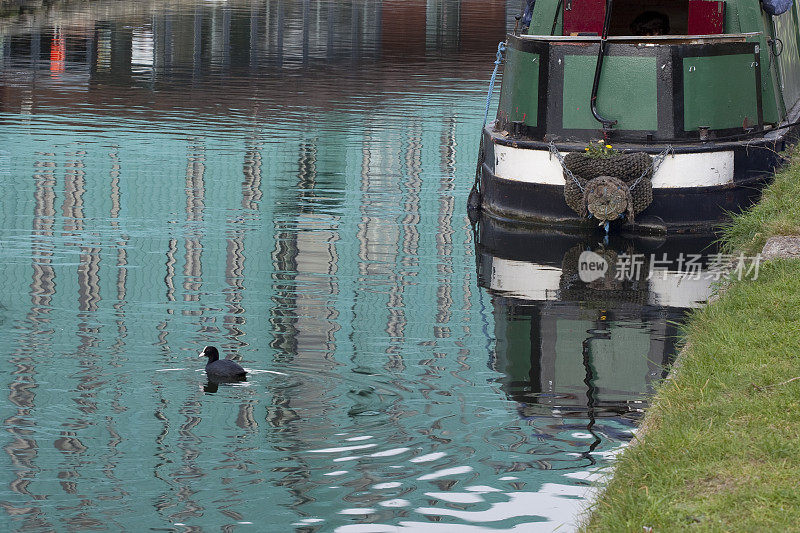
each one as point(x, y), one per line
point(722, 448)
point(721, 451)
point(778, 212)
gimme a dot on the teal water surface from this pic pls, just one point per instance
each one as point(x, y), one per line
point(285, 180)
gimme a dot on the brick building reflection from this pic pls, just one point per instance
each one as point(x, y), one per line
point(145, 44)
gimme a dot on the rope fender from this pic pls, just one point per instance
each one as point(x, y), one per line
point(609, 188)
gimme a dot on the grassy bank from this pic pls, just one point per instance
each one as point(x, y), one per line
point(722, 446)
point(778, 212)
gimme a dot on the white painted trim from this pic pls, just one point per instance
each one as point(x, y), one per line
point(700, 169)
point(529, 166)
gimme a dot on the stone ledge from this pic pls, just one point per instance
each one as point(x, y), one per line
point(781, 247)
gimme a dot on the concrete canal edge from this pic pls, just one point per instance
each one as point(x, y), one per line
point(717, 450)
point(781, 247)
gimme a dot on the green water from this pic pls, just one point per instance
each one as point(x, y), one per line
point(286, 181)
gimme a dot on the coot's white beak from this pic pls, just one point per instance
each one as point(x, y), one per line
point(202, 354)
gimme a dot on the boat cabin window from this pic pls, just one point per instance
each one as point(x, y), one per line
point(645, 17)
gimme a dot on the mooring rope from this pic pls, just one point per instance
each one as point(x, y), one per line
point(501, 47)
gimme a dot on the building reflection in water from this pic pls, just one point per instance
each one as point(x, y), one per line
point(585, 355)
point(153, 42)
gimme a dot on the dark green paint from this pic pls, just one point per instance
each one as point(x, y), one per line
point(519, 100)
point(544, 12)
point(785, 29)
point(719, 91)
point(752, 19)
point(627, 92)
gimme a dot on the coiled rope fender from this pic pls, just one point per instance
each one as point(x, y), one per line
point(607, 198)
point(609, 188)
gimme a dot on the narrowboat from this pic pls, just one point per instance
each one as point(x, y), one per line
point(663, 116)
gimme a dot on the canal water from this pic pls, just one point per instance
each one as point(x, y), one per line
point(286, 180)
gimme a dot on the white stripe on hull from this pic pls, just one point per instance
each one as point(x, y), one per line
point(702, 169)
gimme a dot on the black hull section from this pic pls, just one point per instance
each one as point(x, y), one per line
point(517, 242)
point(674, 210)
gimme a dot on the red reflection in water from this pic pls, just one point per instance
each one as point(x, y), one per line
point(58, 52)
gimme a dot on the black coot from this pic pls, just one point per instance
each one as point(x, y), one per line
point(217, 368)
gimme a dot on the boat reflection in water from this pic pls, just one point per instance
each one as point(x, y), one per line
point(582, 354)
